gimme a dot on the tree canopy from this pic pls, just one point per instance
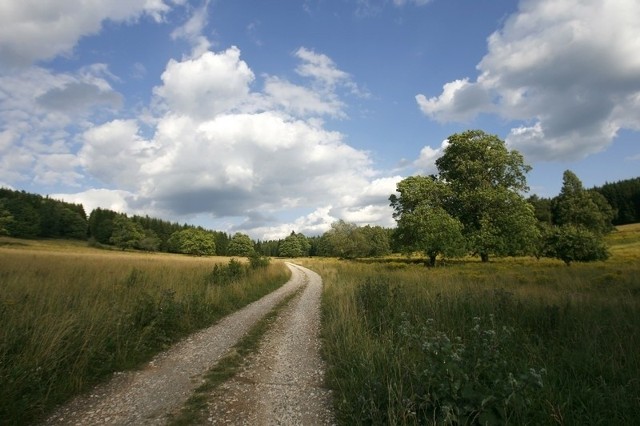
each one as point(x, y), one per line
point(579, 207)
point(241, 245)
point(477, 193)
point(193, 241)
point(295, 245)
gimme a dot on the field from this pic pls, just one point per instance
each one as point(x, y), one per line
point(515, 341)
point(71, 315)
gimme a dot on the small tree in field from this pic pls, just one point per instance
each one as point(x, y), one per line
point(571, 243)
point(579, 207)
point(432, 231)
point(291, 246)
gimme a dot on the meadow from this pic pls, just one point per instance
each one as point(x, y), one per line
point(516, 341)
point(72, 315)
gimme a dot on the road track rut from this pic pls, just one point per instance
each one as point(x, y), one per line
point(146, 396)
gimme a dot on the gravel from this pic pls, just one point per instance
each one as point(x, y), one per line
point(146, 396)
point(283, 383)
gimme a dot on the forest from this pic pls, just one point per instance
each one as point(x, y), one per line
point(26, 215)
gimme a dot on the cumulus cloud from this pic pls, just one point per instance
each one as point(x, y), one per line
point(113, 152)
point(302, 101)
point(567, 71)
point(39, 110)
point(459, 101)
point(220, 148)
point(211, 142)
point(77, 96)
point(112, 199)
point(33, 30)
point(205, 86)
point(426, 162)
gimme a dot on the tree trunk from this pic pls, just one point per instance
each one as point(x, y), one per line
point(432, 260)
point(484, 257)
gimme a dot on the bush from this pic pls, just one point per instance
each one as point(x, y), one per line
point(258, 262)
point(467, 381)
point(227, 274)
point(571, 243)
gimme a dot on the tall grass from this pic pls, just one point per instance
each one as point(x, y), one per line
point(70, 315)
point(515, 341)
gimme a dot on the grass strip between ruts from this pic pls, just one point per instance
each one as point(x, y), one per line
point(193, 410)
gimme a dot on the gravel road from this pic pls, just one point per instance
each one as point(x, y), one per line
point(146, 396)
point(282, 384)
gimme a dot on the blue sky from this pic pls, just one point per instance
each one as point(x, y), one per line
point(271, 116)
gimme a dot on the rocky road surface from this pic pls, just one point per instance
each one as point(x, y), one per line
point(282, 384)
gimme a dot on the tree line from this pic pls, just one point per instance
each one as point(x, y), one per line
point(26, 215)
point(474, 205)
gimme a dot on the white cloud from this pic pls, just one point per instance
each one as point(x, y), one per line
point(459, 101)
point(207, 85)
point(569, 70)
point(193, 28)
point(426, 162)
point(302, 101)
point(113, 152)
point(39, 110)
point(220, 149)
point(315, 223)
point(33, 30)
point(325, 73)
point(319, 67)
point(116, 200)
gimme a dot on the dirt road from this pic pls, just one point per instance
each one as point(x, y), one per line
point(282, 384)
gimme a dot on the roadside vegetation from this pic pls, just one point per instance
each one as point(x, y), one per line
point(72, 315)
point(513, 341)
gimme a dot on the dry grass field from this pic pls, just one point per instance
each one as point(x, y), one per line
point(71, 314)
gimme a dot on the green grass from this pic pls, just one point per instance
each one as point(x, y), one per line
point(72, 315)
point(515, 341)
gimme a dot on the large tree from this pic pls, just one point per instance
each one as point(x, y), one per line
point(292, 246)
point(487, 181)
point(480, 184)
point(345, 240)
point(193, 241)
point(579, 207)
point(424, 224)
point(241, 245)
point(126, 233)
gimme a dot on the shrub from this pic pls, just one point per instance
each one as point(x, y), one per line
point(467, 381)
point(227, 274)
point(574, 244)
point(257, 262)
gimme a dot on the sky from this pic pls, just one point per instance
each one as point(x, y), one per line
point(271, 116)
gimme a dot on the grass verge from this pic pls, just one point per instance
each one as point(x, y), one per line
point(72, 315)
point(194, 409)
point(515, 341)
